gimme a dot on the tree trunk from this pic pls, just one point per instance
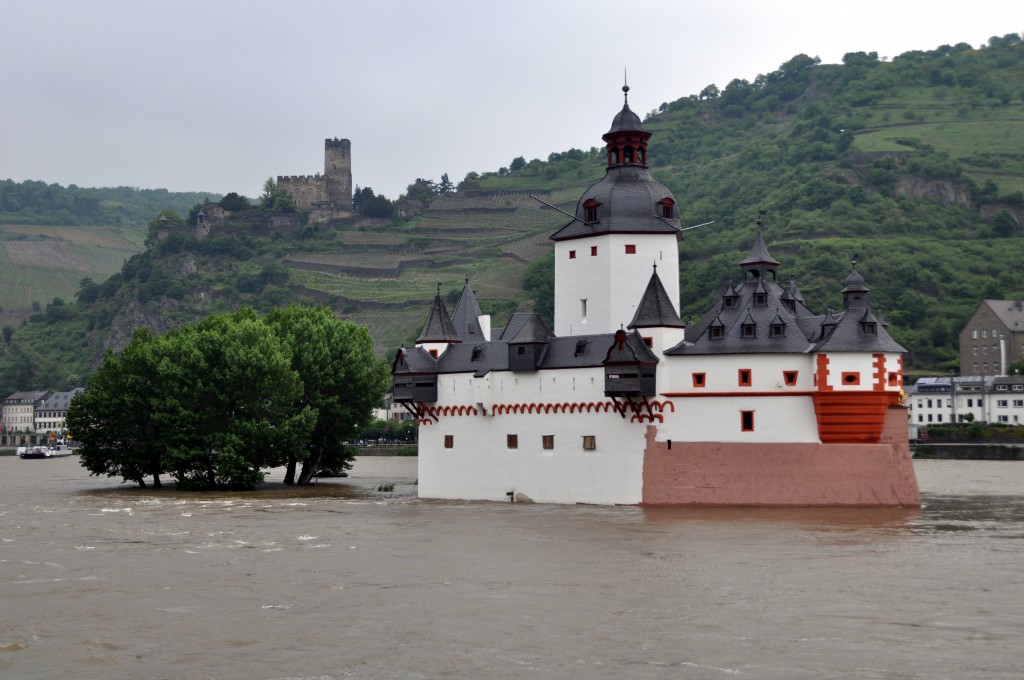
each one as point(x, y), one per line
point(156, 482)
point(289, 474)
point(309, 468)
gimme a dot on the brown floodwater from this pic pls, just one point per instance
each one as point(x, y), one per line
point(103, 580)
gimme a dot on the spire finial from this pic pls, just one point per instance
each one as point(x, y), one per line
point(625, 86)
point(439, 288)
point(467, 280)
point(853, 261)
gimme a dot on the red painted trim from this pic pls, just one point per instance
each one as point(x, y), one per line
point(879, 365)
point(822, 374)
point(851, 417)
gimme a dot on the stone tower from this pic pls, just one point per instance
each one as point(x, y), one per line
point(338, 169)
point(328, 196)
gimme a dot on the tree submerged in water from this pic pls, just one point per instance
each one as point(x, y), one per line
point(216, 403)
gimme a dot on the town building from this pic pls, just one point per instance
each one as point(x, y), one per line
point(941, 400)
point(51, 413)
point(19, 411)
point(993, 338)
point(760, 402)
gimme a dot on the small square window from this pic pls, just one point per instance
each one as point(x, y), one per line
point(894, 379)
point(699, 380)
point(593, 250)
point(630, 249)
point(449, 441)
point(432, 352)
point(512, 441)
point(649, 342)
point(572, 254)
point(589, 442)
point(747, 421)
point(789, 377)
point(744, 377)
point(548, 441)
point(851, 378)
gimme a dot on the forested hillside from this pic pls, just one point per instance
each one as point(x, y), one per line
point(913, 167)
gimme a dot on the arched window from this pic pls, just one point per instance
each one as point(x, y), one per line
point(590, 210)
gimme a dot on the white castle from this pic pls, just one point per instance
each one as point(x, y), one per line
point(760, 402)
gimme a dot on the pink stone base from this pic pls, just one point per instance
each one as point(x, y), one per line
point(717, 473)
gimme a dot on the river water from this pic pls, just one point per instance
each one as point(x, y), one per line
point(102, 580)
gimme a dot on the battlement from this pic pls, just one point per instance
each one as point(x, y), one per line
point(298, 178)
point(326, 195)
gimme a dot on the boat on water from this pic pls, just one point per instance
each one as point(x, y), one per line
point(43, 452)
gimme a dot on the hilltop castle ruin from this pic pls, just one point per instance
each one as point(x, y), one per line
point(328, 196)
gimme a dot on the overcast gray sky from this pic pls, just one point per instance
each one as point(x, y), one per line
point(218, 95)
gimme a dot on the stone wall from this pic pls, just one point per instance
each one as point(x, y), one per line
point(783, 474)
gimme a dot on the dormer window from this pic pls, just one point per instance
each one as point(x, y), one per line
point(666, 205)
point(790, 305)
point(870, 328)
point(716, 332)
point(590, 210)
point(760, 299)
point(748, 330)
point(581, 347)
point(727, 302)
point(777, 330)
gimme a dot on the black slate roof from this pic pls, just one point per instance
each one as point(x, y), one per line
point(569, 352)
point(655, 309)
point(629, 202)
point(533, 331)
point(625, 120)
point(414, 360)
point(466, 317)
point(852, 334)
point(439, 326)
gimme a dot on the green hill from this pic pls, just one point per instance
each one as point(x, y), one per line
point(912, 167)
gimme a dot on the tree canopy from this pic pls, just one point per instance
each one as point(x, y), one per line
point(214, 404)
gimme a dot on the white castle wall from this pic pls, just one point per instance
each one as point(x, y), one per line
point(480, 466)
point(611, 281)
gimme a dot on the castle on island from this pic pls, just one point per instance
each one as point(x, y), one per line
point(760, 402)
point(328, 196)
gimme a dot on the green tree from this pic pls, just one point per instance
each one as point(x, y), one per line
point(446, 187)
point(233, 202)
point(8, 332)
point(230, 402)
point(342, 382)
point(88, 290)
point(377, 206)
point(113, 418)
point(211, 404)
point(168, 221)
point(275, 198)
